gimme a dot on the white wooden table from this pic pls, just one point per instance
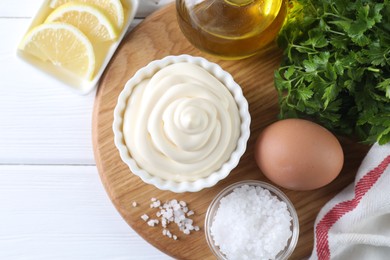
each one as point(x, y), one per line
point(52, 203)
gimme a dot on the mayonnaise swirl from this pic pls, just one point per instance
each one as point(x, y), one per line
point(182, 124)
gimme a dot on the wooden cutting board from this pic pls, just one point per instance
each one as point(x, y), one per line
point(159, 36)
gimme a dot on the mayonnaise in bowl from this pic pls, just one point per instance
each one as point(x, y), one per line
point(178, 125)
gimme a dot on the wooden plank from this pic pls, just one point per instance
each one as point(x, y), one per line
point(62, 212)
point(146, 7)
point(28, 8)
point(40, 122)
point(19, 8)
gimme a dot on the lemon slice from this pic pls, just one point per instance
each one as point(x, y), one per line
point(112, 8)
point(63, 45)
point(90, 20)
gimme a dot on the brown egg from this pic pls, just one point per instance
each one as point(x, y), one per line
point(298, 154)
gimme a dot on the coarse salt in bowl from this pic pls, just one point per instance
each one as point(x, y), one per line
point(251, 219)
point(125, 144)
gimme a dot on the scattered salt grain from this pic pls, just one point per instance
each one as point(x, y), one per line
point(135, 204)
point(251, 223)
point(164, 222)
point(172, 211)
point(155, 204)
point(153, 222)
point(168, 233)
point(145, 217)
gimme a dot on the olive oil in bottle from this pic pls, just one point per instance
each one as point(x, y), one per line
point(231, 29)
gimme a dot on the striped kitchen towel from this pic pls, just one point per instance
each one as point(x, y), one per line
point(356, 223)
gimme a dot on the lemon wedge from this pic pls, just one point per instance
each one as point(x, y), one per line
point(63, 45)
point(112, 8)
point(89, 19)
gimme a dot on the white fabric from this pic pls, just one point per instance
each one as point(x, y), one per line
point(351, 228)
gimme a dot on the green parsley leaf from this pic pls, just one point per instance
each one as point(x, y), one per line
point(336, 66)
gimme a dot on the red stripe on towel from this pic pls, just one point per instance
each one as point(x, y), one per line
point(340, 209)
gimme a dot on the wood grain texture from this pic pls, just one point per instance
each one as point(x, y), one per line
point(23, 8)
point(40, 121)
point(62, 212)
point(12, 8)
point(155, 38)
point(51, 211)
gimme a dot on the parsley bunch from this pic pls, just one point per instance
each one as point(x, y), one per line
point(336, 66)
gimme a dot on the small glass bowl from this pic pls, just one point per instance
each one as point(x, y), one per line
point(214, 205)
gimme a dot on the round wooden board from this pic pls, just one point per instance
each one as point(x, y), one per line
point(159, 36)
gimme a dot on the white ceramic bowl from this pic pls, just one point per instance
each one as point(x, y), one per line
point(190, 186)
